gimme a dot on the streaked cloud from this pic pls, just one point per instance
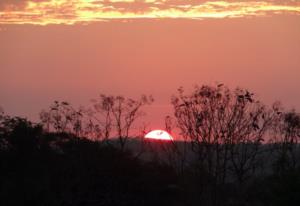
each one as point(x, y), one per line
point(43, 12)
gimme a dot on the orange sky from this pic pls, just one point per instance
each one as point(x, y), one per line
point(74, 50)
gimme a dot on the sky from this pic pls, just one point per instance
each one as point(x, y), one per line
point(74, 50)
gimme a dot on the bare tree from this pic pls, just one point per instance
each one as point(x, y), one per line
point(102, 114)
point(110, 115)
point(177, 150)
point(62, 117)
point(118, 114)
point(225, 129)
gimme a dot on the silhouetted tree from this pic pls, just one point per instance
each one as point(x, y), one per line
point(286, 139)
point(117, 114)
point(19, 134)
point(4, 119)
point(177, 151)
point(62, 117)
point(110, 116)
point(225, 129)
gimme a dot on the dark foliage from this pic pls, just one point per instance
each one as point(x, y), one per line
point(234, 151)
point(61, 169)
point(39, 168)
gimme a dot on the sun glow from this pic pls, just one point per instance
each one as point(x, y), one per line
point(43, 12)
point(159, 135)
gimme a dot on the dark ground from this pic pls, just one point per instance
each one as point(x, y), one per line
point(38, 168)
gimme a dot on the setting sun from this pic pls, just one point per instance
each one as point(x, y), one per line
point(159, 135)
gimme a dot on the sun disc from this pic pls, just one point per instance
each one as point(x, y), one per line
point(158, 135)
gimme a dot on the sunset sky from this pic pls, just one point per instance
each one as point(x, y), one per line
point(75, 49)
